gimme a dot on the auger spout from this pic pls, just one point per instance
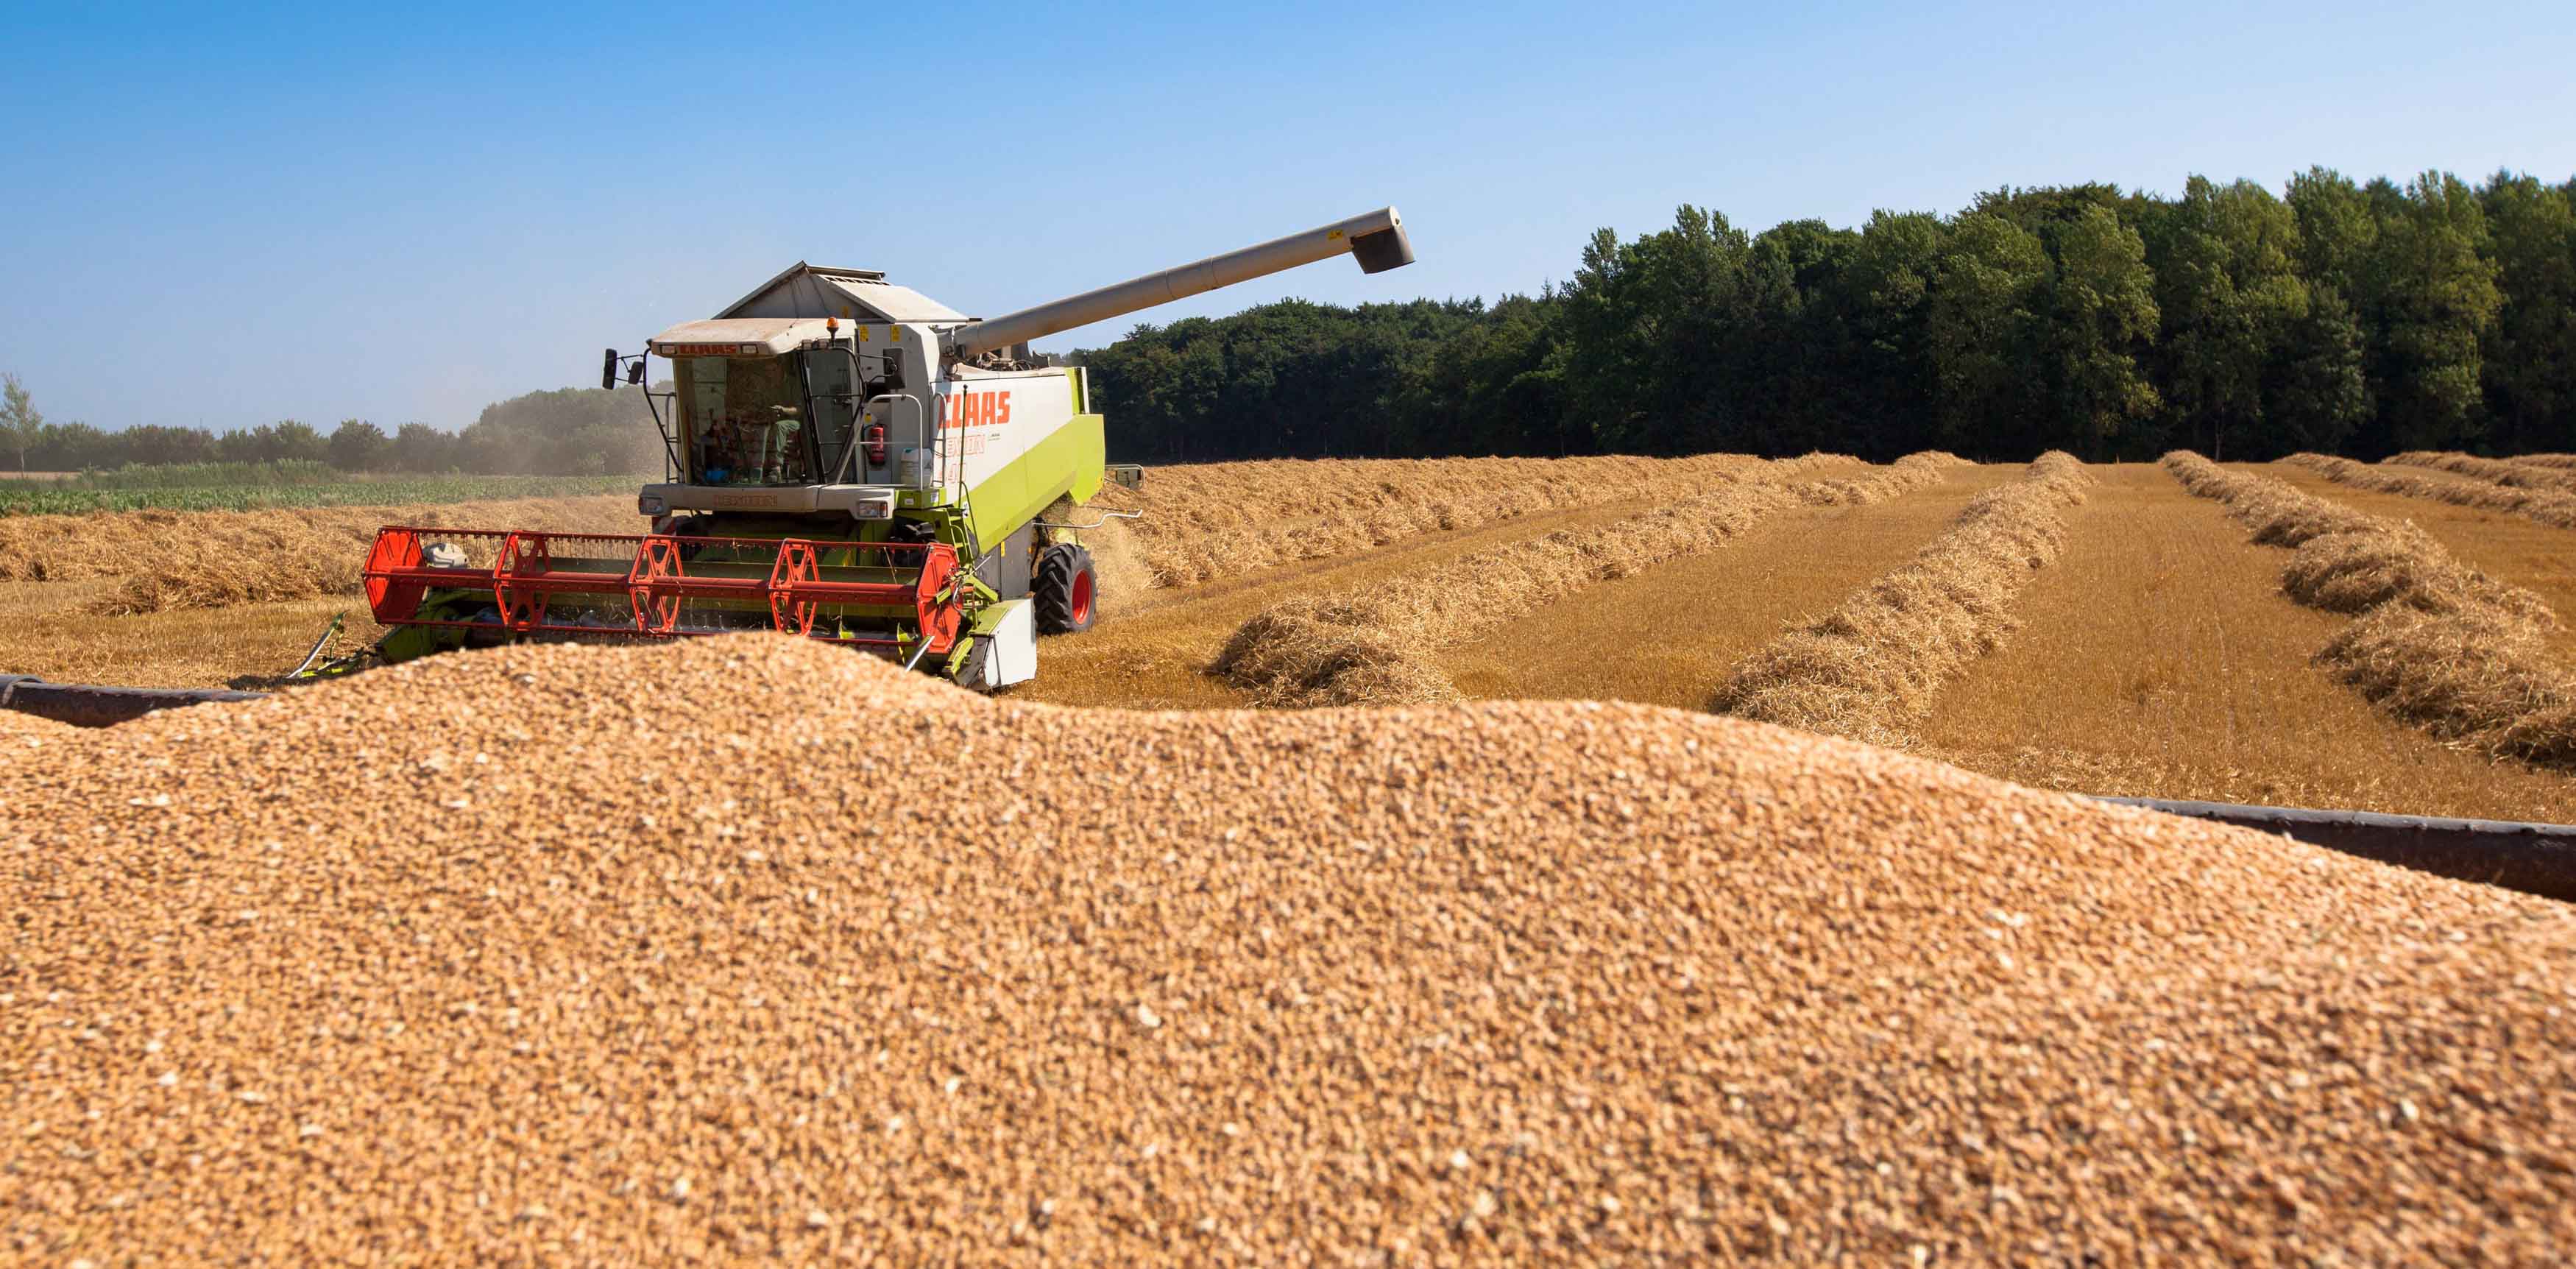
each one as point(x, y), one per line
point(1376, 238)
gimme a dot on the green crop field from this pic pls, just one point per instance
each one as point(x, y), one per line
point(52, 499)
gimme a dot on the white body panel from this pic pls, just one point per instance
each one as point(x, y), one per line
point(988, 420)
point(1014, 655)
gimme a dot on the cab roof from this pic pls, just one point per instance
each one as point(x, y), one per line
point(863, 295)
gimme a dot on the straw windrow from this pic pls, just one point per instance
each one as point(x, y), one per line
point(1374, 646)
point(1877, 661)
point(1210, 521)
point(2544, 506)
point(2518, 473)
point(2435, 643)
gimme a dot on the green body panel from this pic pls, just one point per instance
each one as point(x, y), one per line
point(1065, 464)
point(989, 619)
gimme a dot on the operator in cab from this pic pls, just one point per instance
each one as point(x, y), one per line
point(745, 426)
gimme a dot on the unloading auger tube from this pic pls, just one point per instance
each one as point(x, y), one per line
point(1376, 239)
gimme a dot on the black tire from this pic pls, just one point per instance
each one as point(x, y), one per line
point(1065, 591)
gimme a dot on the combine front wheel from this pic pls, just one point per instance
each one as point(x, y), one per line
point(1063, 590)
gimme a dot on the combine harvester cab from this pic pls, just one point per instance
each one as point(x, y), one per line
point(847, 460)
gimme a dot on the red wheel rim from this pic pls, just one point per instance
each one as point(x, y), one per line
point(388, 600)
point(1082, 598)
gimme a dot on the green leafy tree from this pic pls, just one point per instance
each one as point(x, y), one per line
point(2101, 315)
point(565, 432)
point(1986, 333)
point(418, 447)
point(1885, 293)
point(75, 446)
point(2438, 302)
point(2314, 397)
point(20, 423)
point(357, 445)
point(2530, 352)
point(2225, 258)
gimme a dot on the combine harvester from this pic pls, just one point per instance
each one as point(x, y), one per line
point(849, 460)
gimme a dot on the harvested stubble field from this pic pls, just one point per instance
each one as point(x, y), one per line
point(1668, 634)
point(2158, 657)
point(2507, 547)
point(1332, 984)
point(1378, 645)
point(1879, 659)
point(164, 560)
point(2171, 665)
point(1220, 520)
point(2432, 641)
point(195, 598)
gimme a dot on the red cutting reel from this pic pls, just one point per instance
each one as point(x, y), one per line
point(533, 576)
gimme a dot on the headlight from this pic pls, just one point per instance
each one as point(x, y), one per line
point(649, 505)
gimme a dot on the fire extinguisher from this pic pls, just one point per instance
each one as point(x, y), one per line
point(874, 437)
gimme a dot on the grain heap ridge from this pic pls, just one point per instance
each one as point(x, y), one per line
point(571, 974)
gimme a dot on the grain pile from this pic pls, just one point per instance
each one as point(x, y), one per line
point(1876, 661)
point(2517, 472)
point(1218, 520)
point(2545, 506)
point(912, 978)
point(1375, 646)
point(2434, 642)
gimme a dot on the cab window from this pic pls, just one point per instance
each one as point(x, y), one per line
point(743, 418)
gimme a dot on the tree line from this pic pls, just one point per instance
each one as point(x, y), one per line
point(2346, 317)
point(2338, 316)
point(566, 432)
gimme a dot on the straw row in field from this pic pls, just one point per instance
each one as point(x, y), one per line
point(126, 543)
point(1375, 646)
point(2434, 642)
point(2517, 473)
point(1224, 519)
point(214, 559)
point(2543, 506)
point(1876, 662)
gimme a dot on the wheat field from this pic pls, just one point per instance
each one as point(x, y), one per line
point(2155, 651)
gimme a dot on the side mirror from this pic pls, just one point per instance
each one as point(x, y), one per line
point(635, 373)
point(608, 369)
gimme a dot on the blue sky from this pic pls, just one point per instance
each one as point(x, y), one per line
point(403, 213)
